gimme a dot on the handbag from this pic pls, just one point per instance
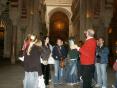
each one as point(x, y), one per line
point(21, 55)
point(115, 66)
point(41, 83)
point(62, 63)
point(51, 60)
point(44, 62)
point(21, 58)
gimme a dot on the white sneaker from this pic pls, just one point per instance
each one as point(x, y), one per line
point(78, 83)
point(50, 80)
point(97, 85)
point(71, 84)
point(113, 86)
point(104, 87)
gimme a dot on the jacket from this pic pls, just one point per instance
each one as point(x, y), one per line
point(87, 52)
point(45, 54)
point(32, 61)
point(58, 55)
point(103, 53)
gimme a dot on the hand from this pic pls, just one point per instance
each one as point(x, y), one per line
point(116, 60)
point(45, 62)
point(77, 47)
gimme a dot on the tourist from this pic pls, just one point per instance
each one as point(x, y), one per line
point(87, 58)
point(59, 54)
point(102, 53)
point(32, 65)
point(46, 52)
point(71, 72)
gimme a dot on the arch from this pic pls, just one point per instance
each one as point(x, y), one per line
point(57, 9)
point(59, 26)
point(5, 35)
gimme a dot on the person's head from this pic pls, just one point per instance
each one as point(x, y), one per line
point(100, 41)
point(89, 33)
point(46, 40)
point(97, 42)
point(71, 41)
point(33, 38)
point(28, 37)
point(38, 43)
point(59, 41)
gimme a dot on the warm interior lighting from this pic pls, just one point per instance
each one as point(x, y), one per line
point(110, 30)
point(2, 24)
point(1, 35)
point(59, 25)
point(88, 14)
point(116, 43)
point(31, 12)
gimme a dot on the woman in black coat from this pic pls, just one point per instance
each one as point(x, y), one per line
point(46, 51)
point(32, 65)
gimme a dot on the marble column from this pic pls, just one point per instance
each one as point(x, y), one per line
point(2, 5)
point(34, 25)
point(14, 17)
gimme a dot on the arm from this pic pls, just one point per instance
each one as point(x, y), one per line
point(64, 52)
point(55, 53)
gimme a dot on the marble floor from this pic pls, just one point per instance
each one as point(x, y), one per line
point(11, 76)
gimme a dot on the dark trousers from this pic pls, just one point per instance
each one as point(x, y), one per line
point(87, 72)
point(46, 73)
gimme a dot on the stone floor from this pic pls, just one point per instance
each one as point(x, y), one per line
point(11, 76)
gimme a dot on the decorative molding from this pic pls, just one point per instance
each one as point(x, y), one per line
point(60, 9)
point(55, 2)
point(97, 9)
point(108, 4)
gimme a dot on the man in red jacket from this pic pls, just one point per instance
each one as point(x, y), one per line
point(87, 58)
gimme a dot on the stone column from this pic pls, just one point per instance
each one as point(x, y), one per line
point(82, 18)
point(2, 5)
point(106, 16)
point(14, 17)
point(34, 25)
point(89, 12)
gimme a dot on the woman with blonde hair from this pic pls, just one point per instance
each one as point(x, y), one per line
point(32, 65)
point(72, 71)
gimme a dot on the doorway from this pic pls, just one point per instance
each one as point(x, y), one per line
point(1, 41)
point(59, 27)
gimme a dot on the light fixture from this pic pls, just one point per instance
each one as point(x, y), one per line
point(110, 30)
point(31, 12)
point(59, 25)
point(89, 14)
point(2, 25)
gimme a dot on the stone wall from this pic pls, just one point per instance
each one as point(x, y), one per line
point(94, 14)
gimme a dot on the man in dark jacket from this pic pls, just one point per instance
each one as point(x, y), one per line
point(102, 53)
point(58, 53)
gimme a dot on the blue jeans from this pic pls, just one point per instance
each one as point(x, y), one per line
point(72, 73)
point(58, 72)
point(116, 79)
point(79, 70)
point(101, 74)
point(30, 80)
